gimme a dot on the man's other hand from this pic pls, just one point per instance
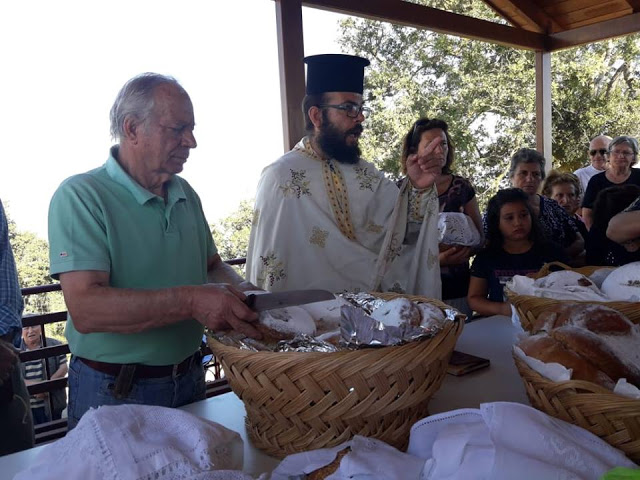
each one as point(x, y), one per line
point(221, 307)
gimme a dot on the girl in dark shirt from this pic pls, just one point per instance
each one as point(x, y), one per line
point(515, 246)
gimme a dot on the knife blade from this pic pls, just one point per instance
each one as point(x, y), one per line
point(270, 301)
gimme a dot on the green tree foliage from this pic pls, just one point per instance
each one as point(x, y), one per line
point(231, 234)
point(32, 262)
point(486, 93)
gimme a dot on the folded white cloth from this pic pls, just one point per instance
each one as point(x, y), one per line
point(503, 441)
point(141, 442)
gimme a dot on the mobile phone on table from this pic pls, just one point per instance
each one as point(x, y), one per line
point(462, 363)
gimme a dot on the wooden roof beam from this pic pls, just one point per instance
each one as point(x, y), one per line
point(596, 32)
point(419, 16)
point(534, 15)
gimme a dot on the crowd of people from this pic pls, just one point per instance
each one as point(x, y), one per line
point(142, 277)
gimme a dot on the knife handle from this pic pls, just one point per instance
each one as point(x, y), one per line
point(250, 301)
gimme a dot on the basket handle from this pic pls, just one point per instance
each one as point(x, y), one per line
point(547, 268)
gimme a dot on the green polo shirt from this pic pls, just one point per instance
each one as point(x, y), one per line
point(104, 220)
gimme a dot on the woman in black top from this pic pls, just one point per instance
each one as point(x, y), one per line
point(622, 156)
point(600, 249)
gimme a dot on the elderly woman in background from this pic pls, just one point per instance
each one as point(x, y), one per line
point(565, 188)
point(455, 194)
point(622, 155)
point(527, 172)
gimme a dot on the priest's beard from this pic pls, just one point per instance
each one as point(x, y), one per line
point(333, 142)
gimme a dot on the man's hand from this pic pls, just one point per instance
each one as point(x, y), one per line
point(8, 360)
point(423, 169)
point(456, 255)
point(221, 307)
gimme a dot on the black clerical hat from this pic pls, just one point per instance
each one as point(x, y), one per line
point(335, 73)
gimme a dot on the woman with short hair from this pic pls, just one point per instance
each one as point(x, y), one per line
point(622, 156)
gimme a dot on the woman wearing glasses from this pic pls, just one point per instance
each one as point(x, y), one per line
point(623, 154)
point(455, 194)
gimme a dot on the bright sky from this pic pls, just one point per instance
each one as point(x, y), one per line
point(64, 62)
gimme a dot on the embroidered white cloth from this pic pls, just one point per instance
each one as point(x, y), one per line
point(456, 228)
point(499, 441)
point(506, 441)
point(140, 442)
point(322, 224)
point(368, 459)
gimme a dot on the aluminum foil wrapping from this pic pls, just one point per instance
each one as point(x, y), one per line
point(363, 300)
point(358, 329)
point(305, 343)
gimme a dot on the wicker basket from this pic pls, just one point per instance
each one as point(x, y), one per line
point(529, 307)
point(613, 418)
point(303, 401)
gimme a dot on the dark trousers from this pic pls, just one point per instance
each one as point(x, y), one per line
point(15, 414)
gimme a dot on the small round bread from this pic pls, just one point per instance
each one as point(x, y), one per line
point(285, 323)
point(430, 315)
point(326, 314)
point(324, 472)
point(623, 284)
point(398, 311)
point(565, 278)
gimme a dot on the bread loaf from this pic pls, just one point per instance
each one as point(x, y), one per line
point(592, 346)
point(596, 318)
point(547, 349)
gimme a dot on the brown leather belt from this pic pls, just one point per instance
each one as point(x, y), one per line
point(143, 371)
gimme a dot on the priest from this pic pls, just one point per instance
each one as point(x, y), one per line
point(326, 218)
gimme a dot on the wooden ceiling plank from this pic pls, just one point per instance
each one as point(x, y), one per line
point(592, 21)
point(532, 13)
point(419, 16)
point(595, 14)
point(593, 33)
point(559, 8)
point(512, 16)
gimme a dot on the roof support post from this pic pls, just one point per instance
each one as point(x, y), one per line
point(543, 106)
point(291, 64)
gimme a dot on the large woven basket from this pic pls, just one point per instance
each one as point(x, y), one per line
point(529, 307)
point(302, 401)
point(614, 418)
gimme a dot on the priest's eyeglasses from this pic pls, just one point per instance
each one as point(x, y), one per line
point(351, 109)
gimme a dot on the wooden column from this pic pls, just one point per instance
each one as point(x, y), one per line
point(543, 106)
point(291, 61)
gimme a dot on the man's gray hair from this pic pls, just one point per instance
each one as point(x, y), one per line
point(136, 98)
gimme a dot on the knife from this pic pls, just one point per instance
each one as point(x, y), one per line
point(269, 301)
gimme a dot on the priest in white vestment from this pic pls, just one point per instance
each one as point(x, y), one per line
point(325, 218)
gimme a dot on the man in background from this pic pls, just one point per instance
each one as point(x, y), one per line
point(134, 254)
point(325, 218)
point(35, 371)
point(16, 425)
point(598, 147)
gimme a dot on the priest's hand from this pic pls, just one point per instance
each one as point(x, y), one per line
point(424, 168)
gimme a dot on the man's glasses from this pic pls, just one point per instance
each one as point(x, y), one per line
point(601, 151)
point(351, 109)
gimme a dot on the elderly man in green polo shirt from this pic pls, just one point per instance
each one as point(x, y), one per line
point(140, 273)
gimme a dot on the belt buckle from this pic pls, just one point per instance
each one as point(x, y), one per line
point(174, 371)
